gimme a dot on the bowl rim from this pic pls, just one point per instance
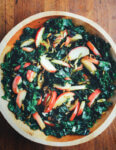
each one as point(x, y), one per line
point(112, 115)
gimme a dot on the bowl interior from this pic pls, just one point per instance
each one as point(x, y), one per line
point(38, 134)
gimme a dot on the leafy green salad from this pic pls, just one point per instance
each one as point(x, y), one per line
point(58, 78)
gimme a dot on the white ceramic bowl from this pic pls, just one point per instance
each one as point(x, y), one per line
point(37, 136)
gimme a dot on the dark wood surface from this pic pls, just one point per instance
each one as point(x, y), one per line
point(14, 11)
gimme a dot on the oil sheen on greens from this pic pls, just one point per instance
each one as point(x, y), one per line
point(103, 79)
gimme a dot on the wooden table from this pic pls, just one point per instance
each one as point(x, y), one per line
point(14, 11)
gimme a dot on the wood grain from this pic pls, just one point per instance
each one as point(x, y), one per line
point(12, 13)
point(2, 19)
point(9, 13)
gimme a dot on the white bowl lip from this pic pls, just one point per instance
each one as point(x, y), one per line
point(112, 115)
